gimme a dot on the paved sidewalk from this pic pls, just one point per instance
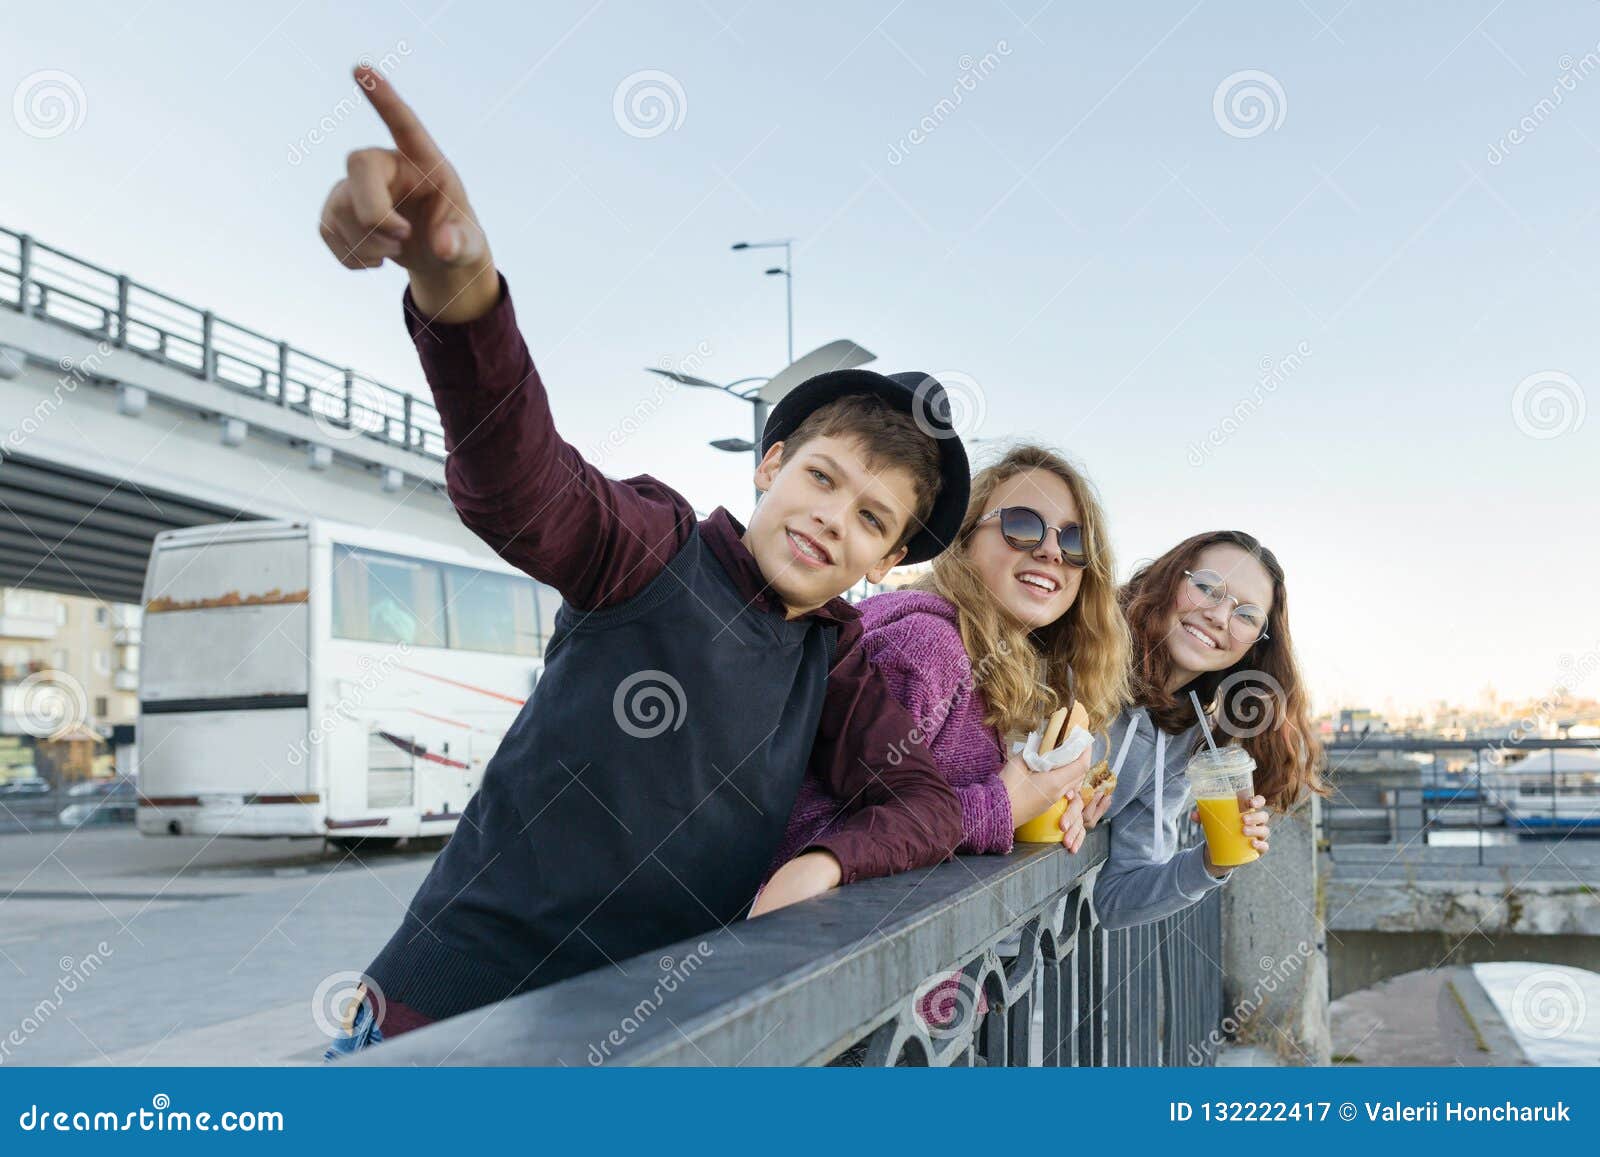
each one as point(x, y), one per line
point(1440, 1017)
point(118, 949)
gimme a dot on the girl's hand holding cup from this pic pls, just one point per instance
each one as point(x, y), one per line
point(1256, 824)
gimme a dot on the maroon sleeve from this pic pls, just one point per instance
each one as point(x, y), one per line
point(523, 489)
point(924, 664)
point(904, 814)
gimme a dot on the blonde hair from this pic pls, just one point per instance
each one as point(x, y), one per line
point(1024, 674)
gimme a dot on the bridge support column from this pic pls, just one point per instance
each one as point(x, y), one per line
point(1409, 817)
point(1274, 949)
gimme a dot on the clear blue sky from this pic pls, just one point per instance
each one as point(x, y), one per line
point(1081, 236)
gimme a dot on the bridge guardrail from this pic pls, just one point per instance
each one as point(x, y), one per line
point(54, 286)
point(1497, 795)
point(840, 980)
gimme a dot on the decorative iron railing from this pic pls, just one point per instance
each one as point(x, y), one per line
point(846, 979)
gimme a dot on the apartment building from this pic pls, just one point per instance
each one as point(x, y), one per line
point(67, 657)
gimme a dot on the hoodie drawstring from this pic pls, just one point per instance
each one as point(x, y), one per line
point(1161, 773)
point(1161, 777)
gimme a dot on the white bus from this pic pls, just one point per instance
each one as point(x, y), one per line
point(305, 678)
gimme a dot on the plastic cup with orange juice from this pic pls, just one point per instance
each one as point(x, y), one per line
point(1221, 781)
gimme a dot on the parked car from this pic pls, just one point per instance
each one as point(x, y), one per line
point(109, 801)
point(27, 786)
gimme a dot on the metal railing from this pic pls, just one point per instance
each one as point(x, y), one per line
point(48, 284)
point(845, 980)
point(1467, 794)
point(24, 813)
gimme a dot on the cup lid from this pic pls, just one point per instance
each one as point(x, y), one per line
point(1223, 759)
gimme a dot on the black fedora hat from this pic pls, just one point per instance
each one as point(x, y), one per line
point(914, 393)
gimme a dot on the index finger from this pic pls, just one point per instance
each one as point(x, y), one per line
point(409, 135)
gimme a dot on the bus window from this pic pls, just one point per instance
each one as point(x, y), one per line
point(491, 612)
point(384, 598)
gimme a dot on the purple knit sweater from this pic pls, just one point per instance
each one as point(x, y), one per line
point(913, 639)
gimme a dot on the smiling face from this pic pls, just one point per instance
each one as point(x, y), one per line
point(1035, 587)
point(826, 519)
point(1198, 639)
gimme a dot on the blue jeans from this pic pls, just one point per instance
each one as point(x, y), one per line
point(364, 1033)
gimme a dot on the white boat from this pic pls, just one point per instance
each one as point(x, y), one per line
point(1554, 792)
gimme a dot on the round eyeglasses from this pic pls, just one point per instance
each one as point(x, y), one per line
point(1206, 589)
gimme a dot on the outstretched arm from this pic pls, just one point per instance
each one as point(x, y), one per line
point(514, 481)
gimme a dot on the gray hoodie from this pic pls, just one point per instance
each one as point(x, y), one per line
point(1145, 877)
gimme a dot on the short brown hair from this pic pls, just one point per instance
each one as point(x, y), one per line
point(888, 438)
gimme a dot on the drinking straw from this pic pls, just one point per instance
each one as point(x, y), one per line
point(1204, 726)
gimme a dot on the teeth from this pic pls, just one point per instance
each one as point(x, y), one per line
point(1042, 584)
point(1201, 635)
point(806, 548)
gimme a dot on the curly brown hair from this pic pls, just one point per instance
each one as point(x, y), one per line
point(1261, 699)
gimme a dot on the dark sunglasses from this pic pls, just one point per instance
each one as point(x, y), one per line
point(1024, 528)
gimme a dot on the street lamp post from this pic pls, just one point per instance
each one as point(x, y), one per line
point(757, 404)
point(787, 270)
point(839, 354)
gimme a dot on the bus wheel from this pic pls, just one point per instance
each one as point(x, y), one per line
point(351, 843)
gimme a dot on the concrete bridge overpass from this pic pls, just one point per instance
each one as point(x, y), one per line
point(1419, 867)
point(124, 412)
point(1394, 908)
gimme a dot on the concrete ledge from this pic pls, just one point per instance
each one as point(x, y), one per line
point(1480, 1009)
point(796, 986)
point(1464, 907)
